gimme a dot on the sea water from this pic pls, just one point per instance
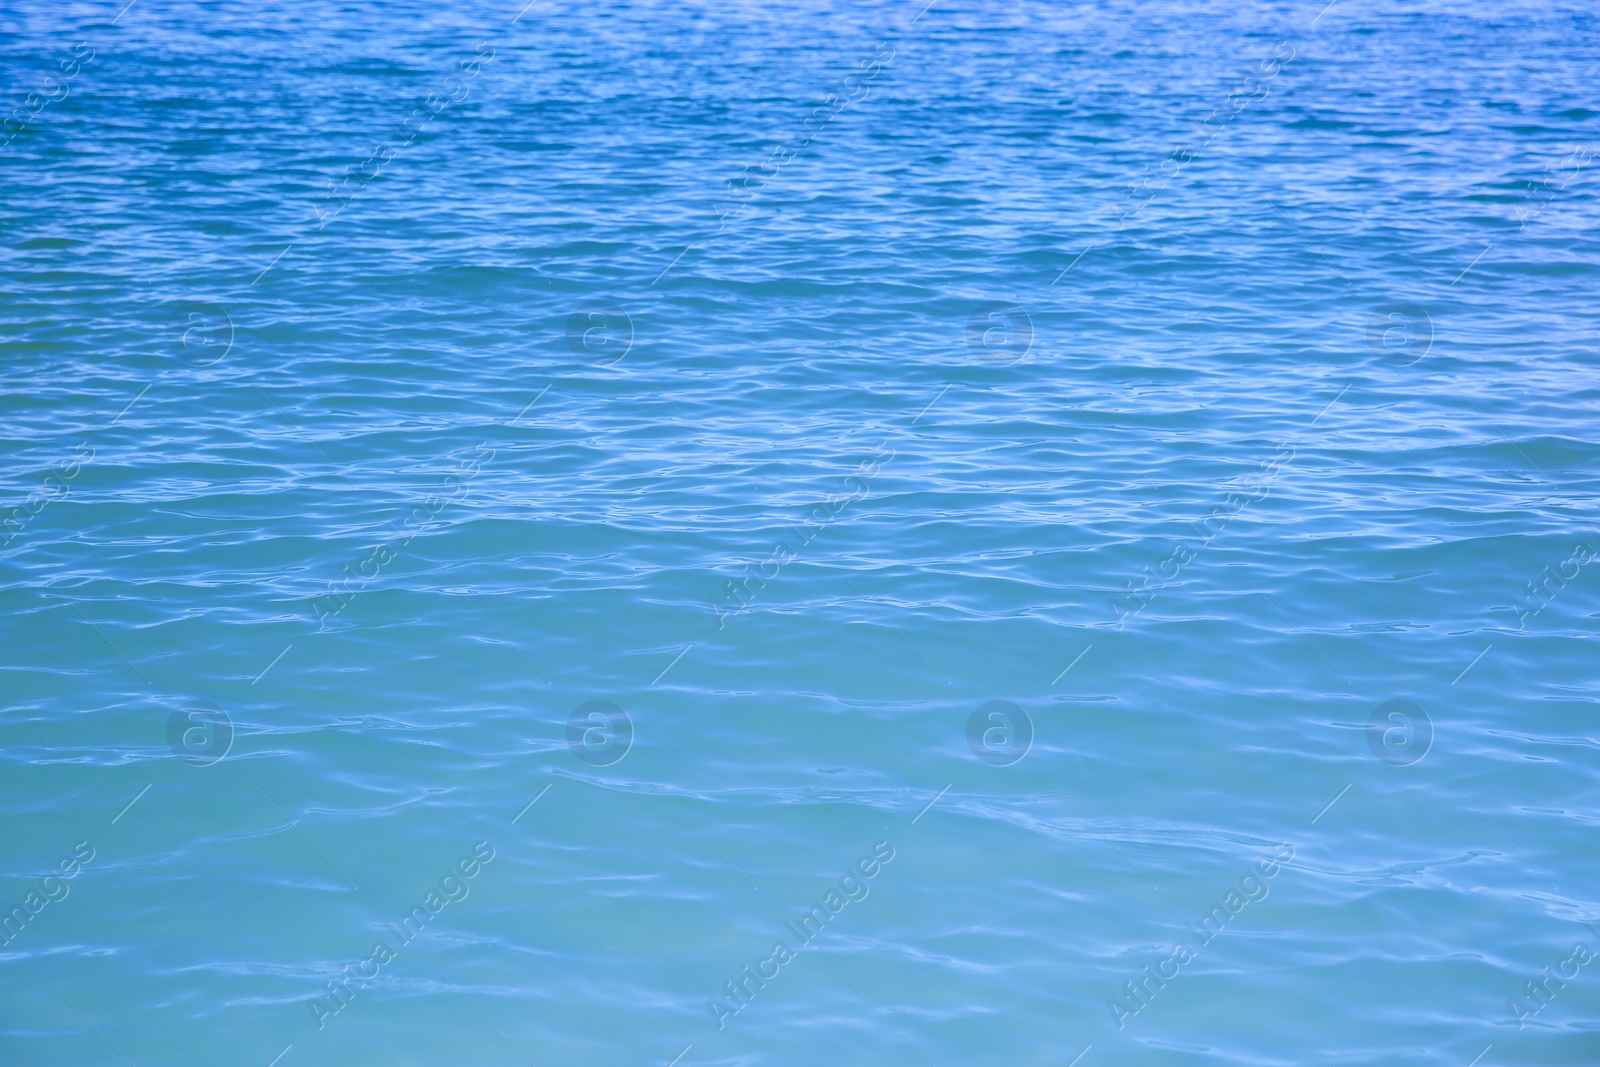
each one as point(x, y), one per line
point(833, 533)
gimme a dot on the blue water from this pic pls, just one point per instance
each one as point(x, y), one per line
point(986, 534)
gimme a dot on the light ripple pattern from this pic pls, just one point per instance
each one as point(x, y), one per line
point(512, 512)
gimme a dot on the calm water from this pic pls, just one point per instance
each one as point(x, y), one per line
point(823, 534)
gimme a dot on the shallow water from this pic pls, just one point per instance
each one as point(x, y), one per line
point(387, 385)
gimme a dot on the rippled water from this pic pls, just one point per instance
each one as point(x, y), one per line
point(832, 533)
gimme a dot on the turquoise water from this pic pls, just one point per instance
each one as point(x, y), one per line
point(822, 534)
